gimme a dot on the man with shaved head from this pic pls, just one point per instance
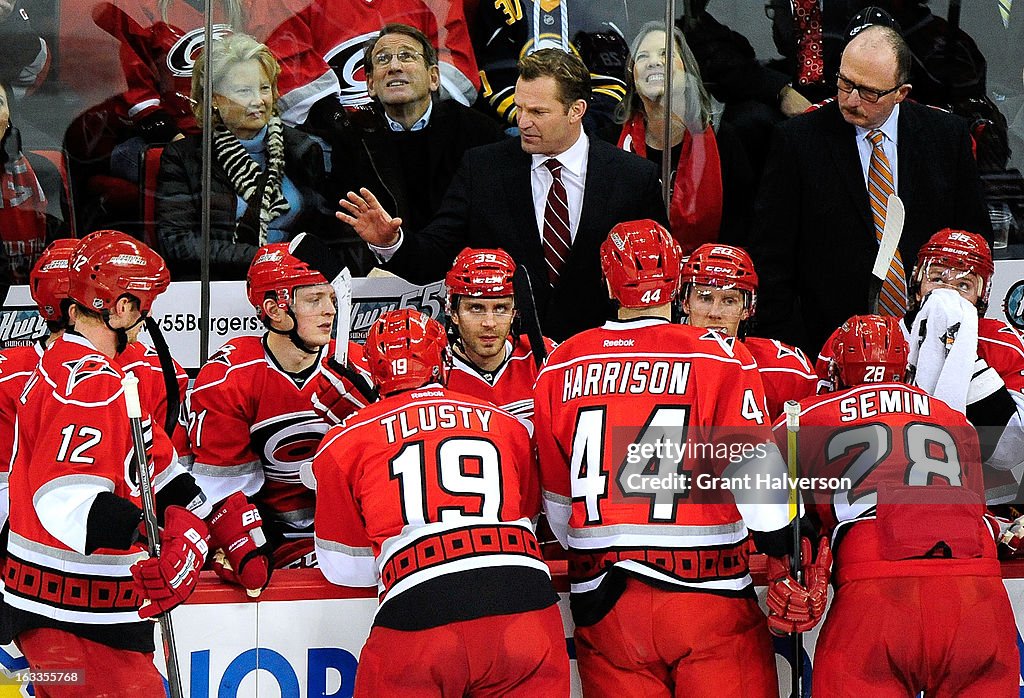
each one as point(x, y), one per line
point(824, 196)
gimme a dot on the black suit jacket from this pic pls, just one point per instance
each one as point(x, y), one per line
point(490, 204)
point(813, 237)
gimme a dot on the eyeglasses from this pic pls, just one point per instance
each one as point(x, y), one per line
point(866, 93)
point(384, 58)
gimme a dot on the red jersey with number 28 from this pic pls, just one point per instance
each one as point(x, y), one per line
point(898, 483)
point(428, 495)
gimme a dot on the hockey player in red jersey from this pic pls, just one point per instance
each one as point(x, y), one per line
point(720, 292)
point(251, 420)
point(637, 423)
point(70, 601)
point(428, 495)
point(919, 603)
point(48, 284)
point(489, 360)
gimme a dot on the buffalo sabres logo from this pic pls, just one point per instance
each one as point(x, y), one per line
point(87, 367)
point(1013, 305)
point(284, 443)
point(346, 59)
point(182, 56)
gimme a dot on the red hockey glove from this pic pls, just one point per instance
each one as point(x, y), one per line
point(339, 391)
point(168, 580)
point(793, 608)
point(243, 558)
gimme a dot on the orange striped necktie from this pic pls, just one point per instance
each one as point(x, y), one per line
point(893, 300)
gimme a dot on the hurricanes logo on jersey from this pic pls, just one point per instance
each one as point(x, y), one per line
point(222, 356)
point(284, 443)
point(87, 367)
point(182, 56)
point(346, 59)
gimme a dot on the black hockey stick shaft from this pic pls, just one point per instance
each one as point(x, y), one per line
point(131, 397)
point(528, 311)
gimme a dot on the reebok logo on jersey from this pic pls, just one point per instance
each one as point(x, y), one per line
point(87, 367)
point(619, 342)
point(427, 393)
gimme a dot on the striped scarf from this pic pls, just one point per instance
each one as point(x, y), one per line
point(244, 173)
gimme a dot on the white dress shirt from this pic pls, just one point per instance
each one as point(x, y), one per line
point(864, 147)
point(574, 177)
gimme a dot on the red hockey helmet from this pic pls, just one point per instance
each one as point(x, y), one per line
point(868, 349)
point(405, 349)
point(108, 264)
point(722, 266)
point(48, 281)
point(480, 273)
point(641, 261)
point(274, 270)
point(961, 251)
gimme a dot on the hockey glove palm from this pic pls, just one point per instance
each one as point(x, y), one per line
point(168, 580)
point(237, 529)
point(792, 607)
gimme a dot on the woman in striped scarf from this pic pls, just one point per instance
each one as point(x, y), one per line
point(266, 175)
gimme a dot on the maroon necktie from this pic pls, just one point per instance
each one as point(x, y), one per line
point(807, 15)
point(557, 238)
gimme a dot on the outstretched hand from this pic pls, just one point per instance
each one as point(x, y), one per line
point(368, 218)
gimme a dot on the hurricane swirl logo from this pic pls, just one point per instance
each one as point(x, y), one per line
point(284, 443)
point(182, 56)
point(346, 59)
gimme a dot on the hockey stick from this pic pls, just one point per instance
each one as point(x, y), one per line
point(309, 249)
point(891, 233)
point(792, 411)
point(169, 374)
point(523, 289)
point(131, 398)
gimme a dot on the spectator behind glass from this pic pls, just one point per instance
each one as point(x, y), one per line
point(409, 145)
point(712, 183)
point(265, 174)
point(32, 200)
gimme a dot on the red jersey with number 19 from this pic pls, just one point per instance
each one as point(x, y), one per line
point(428, 495)
point(637, 423)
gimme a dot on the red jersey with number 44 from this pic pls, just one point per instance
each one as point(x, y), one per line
point(896, 481)
point(429, 495)
point(635, 424)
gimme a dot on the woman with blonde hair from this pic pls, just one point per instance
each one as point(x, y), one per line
point(266, 175)
point(712, 186)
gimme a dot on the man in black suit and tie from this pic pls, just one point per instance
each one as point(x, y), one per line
point(549, 200)
point(816, 227)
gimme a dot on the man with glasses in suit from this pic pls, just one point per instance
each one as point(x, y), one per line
point(824, 196)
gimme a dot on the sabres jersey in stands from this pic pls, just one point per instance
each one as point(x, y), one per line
point(785, 371)
point(16, 365)
point(143, 360)
point(74, 443)
point(896, 481)
point(428, 495)
point(251, 425)
point(631, 421)
point(510, 387)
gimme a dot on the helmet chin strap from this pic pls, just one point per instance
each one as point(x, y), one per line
point(293, 335)
point(121, 333)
